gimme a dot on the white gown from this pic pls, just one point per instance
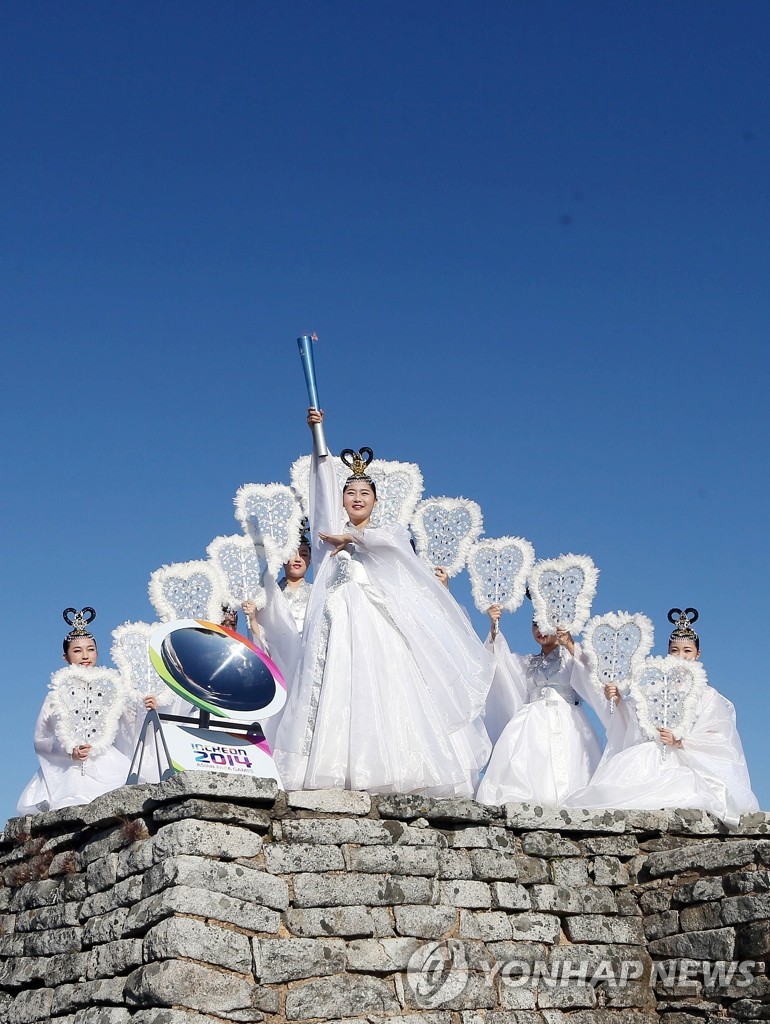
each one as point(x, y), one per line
point(60, 781)
point(708, 772)
point(392, 679)
point(282, 621)
point(545, 746)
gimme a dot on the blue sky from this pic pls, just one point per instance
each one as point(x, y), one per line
point(533, 239)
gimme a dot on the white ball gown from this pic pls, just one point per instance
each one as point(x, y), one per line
point(392, 679)
point(708, 772)
point(545, 746)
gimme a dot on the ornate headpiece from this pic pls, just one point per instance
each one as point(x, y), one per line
point(357, 464)
point(78, 620)
point(683, 621)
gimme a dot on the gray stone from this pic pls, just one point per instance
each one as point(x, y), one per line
point(587, 899)
point(454, 864)
point(658, 925)
point(102, 874)
point(31, 1006)
point(571, 872)
point(168, 1016)
point(492, 865)
point(705, 856)
point(754, 941)
point(405, 860)
point(282, 960)
point(341, 996)
point(124, 894)
point(292, 858)
point(206, 839)
point(113, 958)
point(37, 894)
point(744, 882)
point(339, 889)
point(336, 831)
point(135, 859)
point(610, 871)
point(576, 994)
point(739, 909)
point(494, 837)
point(534, 818)
point(532, 870)
point(610, 846)
point(62, 915)
point(237, 880)
point(406, 807)
point(88, 993)
point(697, 892)
point(214, 906)
point(426, 922)
point(490, 926)
point(344, 921)
point(653, 901)
point(548, 844)
point(478, 993)
point(216, 785)
point(56, 940)
point(174, 983)
point(535, 928)
point(331, 801)
point(380, 956)
point(699, 918)
point(214, 810)
point(105, 928)
point(184, 937)
point(517, 997)
point(715, 944)
point(593, 928)
point(101, 1015)
point(510, 896)
point(462, 893)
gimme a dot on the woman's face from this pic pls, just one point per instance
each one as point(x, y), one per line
point(297, 566)
point(358, 501)
point(683, 648)
point(81, 651)
point(542, 638)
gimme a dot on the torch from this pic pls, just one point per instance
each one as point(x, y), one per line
point(305, 345)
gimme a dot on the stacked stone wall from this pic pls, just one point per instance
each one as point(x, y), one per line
point(215, 898)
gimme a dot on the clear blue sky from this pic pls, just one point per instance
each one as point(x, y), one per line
point(532, 236)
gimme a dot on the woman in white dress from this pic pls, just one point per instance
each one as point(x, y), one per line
point(704, 769)
point(545, 746)
point(74, 773)
point(392, 679)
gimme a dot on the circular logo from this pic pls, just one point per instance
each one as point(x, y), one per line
point(437, 972)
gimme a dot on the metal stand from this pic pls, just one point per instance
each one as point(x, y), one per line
point(153, 722)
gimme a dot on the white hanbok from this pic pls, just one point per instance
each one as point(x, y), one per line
point(545, 746)
point(708, 771)
point(282, 621)
point(62, 782)
point(392, 679)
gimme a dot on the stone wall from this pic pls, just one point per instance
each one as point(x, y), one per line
point(215, 898)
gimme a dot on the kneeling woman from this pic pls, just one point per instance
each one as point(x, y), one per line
point(84, 735)
point(392, 679)
point(703, 766)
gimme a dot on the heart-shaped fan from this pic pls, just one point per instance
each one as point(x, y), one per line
point(665, 693)
point(236, 558)
point(498, 569)
point(271, 515)
point(188, 590)
point(616, 644)
point(562, 590)
point(131, 653)
point(87, 703)
point(444, 530)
